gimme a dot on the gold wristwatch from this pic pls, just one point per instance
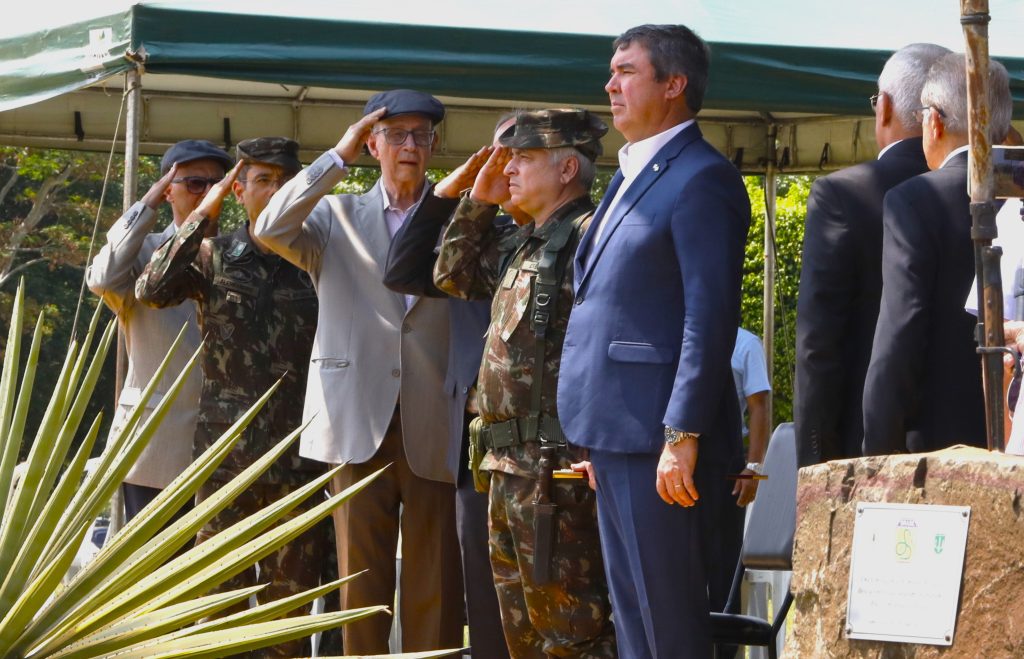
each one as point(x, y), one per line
point(673, 436)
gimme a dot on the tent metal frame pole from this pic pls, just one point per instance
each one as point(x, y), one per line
point(133, 88)
point(131, 136)
point(768, 320)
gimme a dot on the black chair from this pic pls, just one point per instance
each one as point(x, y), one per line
point(767, 545)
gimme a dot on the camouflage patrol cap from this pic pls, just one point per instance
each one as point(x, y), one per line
point(279, 151)
point(559, 127)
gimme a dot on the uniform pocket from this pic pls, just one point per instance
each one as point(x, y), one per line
point(513, 298)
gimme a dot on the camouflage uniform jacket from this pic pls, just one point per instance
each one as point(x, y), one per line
point(470, 266)
point(258, 315)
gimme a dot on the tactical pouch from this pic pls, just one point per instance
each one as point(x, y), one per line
point(481, 479)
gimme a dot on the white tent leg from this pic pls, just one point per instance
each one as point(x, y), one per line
point(770, 181)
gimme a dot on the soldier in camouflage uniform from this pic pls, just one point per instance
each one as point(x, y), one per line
point(258, 313)
point(548, 169)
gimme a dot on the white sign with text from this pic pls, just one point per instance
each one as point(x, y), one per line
point(906, 566)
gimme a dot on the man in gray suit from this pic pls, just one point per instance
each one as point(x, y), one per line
point(189, 168)
point(375, 392)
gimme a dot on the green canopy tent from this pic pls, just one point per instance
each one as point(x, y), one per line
point(226, 73)
point(789, 85)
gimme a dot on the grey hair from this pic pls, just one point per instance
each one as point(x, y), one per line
point(505, 116)
point(587, 169)
point(946, 89)
point(904, 75)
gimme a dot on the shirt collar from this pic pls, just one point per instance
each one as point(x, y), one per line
point(633, 157)
point(567, 210)
point(955, 152)
point(388, 207)
point(886, 149)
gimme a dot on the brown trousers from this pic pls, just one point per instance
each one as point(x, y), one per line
point(367, 527)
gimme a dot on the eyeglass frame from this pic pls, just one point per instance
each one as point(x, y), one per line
point(873, 100)
point(190, 181)
point(919, 112)
point(388, 132)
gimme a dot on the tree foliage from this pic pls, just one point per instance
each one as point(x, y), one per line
point(791, 208)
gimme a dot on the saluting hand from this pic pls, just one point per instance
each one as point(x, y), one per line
point(209, 207)
point(354, 138)
point(155, 196)
point(463, 176)
point(491, 185)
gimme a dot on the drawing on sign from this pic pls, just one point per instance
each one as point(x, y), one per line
point(939, 539)
point(904, 544)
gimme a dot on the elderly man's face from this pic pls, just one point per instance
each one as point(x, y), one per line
point(197, 175)
point(404, 163)
point(535, 180)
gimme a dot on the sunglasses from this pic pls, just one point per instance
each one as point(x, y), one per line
point(196, 184)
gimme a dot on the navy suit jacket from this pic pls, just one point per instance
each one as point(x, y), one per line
point(923, 390)
point(837, 307)
point(657, 306)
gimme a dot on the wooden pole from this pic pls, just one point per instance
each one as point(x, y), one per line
point(974, 18)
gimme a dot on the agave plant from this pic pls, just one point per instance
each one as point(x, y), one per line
point(135, 598)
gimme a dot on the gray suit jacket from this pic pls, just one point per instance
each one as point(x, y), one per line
point(148, 335)
point(370, 352)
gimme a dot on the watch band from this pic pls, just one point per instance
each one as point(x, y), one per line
point(673, 437)
point(756, 467)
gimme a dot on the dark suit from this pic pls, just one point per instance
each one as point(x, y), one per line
point(840, 288)
point(923, 389)
point(409, 270)
point(649, 344)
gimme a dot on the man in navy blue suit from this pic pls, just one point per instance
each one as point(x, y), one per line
point(646, 382)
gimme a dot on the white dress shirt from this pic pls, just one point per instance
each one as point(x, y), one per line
point(633, 158)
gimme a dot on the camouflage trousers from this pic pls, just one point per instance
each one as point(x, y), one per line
point(293, 568)
point(569, 615)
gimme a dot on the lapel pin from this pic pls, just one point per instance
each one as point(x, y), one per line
point(656, 167)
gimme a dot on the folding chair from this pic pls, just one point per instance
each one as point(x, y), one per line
point(767, 545)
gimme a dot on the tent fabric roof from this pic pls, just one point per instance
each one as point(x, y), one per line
point(233, 69)
point(538, 67)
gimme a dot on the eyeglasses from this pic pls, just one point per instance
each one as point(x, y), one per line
point(873, 100)
point(196, 184)
point(265, 180)
point(398, 136)
point(919, 112)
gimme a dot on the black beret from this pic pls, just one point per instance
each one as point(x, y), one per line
point(551, 129)
point(189, 150)
point(406, 101)
point(279, 151)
